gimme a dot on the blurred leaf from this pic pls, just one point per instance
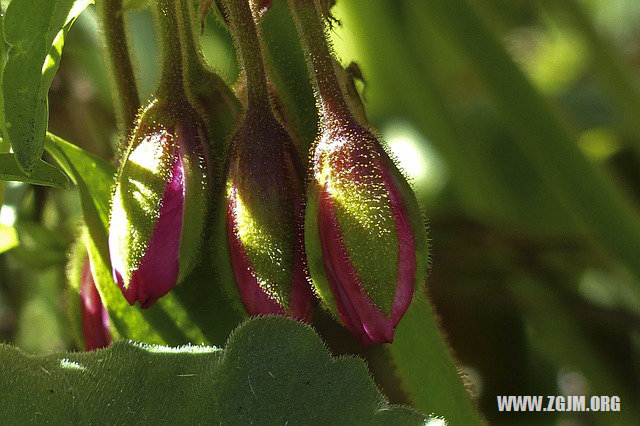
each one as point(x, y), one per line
point(272, 371)
point(548, 145)
point(40, 326)
point(426, 369)
point(4, 142)
point(8, 237)
point(559, 336)
point(42, 173)
point(40, 247)
point(609, 69)
point(33, 59)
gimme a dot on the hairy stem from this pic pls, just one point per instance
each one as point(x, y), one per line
point(245, 36)
point(193, 54)
point(118, 63)
point(312, 33)
point(172, 83)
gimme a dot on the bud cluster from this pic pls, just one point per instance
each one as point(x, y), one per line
point(352, 234)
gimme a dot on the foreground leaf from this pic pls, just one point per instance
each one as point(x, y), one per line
point(33, 60)
point(272, 371)
point(43, 173)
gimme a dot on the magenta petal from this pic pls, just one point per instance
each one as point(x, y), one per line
point(95, 320)
point(406, 252)
point(357, 311)
point(157, 273)
point(254, 299)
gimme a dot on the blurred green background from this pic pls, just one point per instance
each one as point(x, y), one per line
point(532, 297)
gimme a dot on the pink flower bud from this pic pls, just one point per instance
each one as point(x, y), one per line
point(95, 320)
point(265, 215)
point(159, 204)
point(365, 237)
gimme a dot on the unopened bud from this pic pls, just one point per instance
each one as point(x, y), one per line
point(265, 214)
point(159, 202)
point(365, 238)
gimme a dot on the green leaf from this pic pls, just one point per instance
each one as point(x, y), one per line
point(35, 30)
point(43, 173)
point(93, 177)
point(425, 367)
point(272, 371)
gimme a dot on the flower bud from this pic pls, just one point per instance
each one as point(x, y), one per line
point(366, 241)
point(95, 320)
point(265, 220)
point(159, 202)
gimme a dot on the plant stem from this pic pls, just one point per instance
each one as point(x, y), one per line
point(192, 52)
point(172, 85)
point(333, 105)
point(118, 63)
point(245, 36)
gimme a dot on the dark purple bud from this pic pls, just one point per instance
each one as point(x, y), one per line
point(265, 215)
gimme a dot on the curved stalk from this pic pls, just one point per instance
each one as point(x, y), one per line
point(248, 47)
point(172, 74)
point(333, 104)
point(117, 58)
